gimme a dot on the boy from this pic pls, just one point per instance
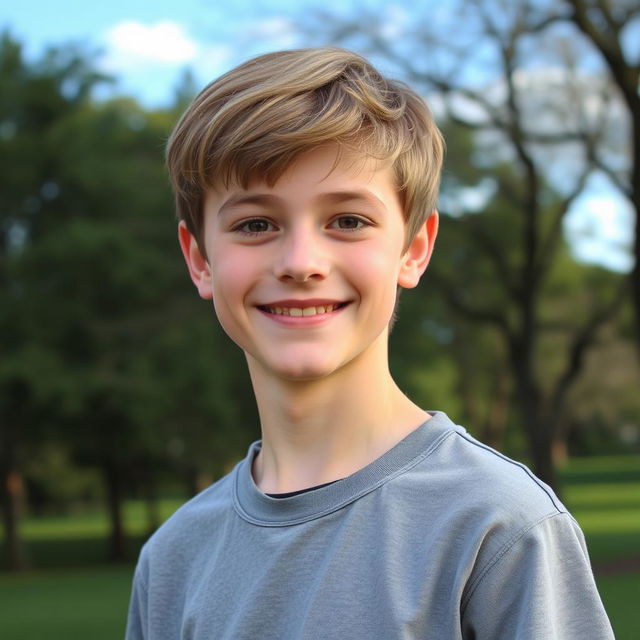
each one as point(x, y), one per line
point(306, 185)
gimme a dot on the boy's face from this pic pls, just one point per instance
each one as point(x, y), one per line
point(303, 274)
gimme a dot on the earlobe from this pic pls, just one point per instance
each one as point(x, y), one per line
point(197, 264)
point(416, 258)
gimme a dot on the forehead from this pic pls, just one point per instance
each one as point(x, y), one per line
point(325, 174)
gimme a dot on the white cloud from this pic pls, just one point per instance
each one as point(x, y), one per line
point(140, 44)
point(269, 34)
point(599, 226)
point(148, 59)
point(274, 27)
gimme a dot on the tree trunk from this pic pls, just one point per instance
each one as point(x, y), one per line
point(634, 196)
point(560, 449)
point(154, 518)
point(541, 443)
point(11, 497)
point(539, 429)
point(539, 432)
point(495, 424)
point(197, 480)
point(113, 483)
point(635, 273)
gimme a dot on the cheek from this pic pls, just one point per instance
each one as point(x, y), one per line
point(233, 276)
point(380, 261)
point(232, 270)
point(376, 273)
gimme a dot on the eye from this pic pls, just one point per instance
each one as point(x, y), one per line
point(349, 223)
point(254, 226)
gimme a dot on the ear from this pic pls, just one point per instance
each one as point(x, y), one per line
point(197, 264)
point(418, 253)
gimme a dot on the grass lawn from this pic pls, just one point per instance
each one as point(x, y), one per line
point(620, 597)
point(65, 605)
point(66, 599)
point(604, 496)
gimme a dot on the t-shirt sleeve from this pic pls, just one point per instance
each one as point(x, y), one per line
point(137, 618)
point(539, 586)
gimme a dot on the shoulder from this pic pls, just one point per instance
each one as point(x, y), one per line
point(482, 502)
point(487, 479)
point(521, 547)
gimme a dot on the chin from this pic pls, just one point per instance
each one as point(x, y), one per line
point(299, 368)
point(303, 373)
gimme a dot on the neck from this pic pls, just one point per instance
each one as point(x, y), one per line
point(322, 430)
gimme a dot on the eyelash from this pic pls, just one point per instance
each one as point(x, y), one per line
point(362, 222)
point(242, 227)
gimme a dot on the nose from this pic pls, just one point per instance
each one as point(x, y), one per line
point(302, 256)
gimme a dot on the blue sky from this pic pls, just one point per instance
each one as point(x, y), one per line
point(148, 45)
point(145, 44)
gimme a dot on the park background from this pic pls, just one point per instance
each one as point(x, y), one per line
point(120, 396)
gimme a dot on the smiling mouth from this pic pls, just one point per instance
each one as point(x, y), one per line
point(298, 312)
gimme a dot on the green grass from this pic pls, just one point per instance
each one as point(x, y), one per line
point(610, 469)
point(604, 496)
point(620, 597)
point(93, 522)
point(64, 605)
point(80, 540)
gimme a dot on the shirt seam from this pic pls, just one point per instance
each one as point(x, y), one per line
point(556, 504)
point(503, 551)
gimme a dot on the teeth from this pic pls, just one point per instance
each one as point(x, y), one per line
point(302, 311)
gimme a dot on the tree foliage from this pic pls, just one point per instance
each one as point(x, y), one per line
point(104, 345)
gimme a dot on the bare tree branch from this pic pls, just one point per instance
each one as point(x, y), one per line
point(475, 314)
point(582, 341)
point(550, 243)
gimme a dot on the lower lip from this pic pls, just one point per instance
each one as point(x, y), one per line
point(302, 321)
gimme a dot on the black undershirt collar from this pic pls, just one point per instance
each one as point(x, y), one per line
point(297, 493)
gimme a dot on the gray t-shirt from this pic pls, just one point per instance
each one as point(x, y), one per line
point(441, 537)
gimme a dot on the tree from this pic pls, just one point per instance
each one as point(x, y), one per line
point(478, 62)
point(107, 353)
point(33, 98)
point(606, 25)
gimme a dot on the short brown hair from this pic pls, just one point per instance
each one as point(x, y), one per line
point(256, 119)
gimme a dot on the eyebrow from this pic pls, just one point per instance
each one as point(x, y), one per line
point(260, 199)
point(338, 197)
point(269, 200)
